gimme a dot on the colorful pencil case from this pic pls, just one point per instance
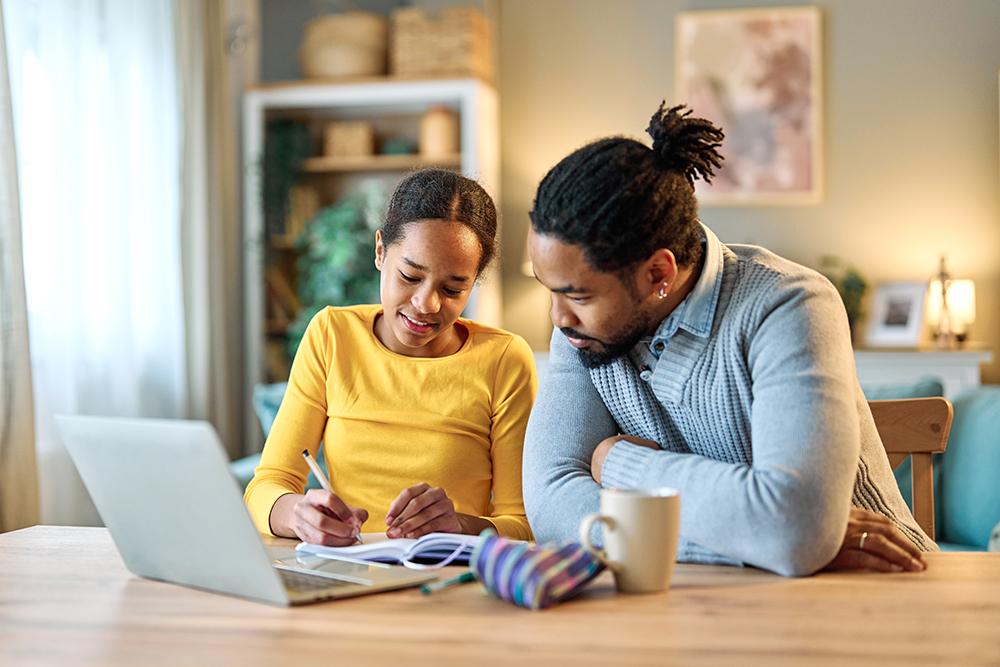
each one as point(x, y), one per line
point(531, 575)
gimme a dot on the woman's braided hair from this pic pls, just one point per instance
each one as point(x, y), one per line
point(620, 200)
point(442, 194)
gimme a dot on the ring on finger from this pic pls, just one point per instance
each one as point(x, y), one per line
point(861, 541)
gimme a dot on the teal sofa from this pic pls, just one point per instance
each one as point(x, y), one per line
point(967, 475)
point(968, 491)
point(266, 400)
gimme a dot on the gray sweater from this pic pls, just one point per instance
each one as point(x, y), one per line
point(762, 424)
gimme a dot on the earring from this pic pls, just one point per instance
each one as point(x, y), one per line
point(663, 293)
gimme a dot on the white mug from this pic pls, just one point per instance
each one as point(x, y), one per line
point(641, 529)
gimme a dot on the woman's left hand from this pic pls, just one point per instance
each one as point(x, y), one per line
point(422, 509)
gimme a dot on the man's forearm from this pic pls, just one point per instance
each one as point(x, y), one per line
point(567, 422)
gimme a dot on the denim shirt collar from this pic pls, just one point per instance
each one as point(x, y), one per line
point(695, 313)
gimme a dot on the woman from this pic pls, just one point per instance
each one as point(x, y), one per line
point(422, 412)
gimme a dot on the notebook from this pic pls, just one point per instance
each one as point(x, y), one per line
point(427, 552)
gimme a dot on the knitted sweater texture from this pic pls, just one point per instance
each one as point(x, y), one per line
point(762, 427)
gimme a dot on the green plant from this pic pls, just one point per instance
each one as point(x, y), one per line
point(336, 265)
point(849, 283)
point(286, 144)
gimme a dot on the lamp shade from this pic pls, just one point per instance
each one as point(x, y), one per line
point(961, 303)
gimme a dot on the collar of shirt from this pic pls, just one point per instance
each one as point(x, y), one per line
point(695, 313)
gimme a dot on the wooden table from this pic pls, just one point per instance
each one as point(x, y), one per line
point(66, 598)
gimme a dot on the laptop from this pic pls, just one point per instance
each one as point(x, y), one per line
point(176, 514)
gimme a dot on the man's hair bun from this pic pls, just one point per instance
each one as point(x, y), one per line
point(684, 144)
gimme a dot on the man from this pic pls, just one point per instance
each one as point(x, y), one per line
point(725, 372)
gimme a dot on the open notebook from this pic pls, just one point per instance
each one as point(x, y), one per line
point(430, 551)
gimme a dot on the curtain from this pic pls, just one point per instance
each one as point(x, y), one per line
point(18, 480)
point(216, 53)
point(95, 108)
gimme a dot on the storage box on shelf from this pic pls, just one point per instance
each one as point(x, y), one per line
point(340, 121)
point(455, 41)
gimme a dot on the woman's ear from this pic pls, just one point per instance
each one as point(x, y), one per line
point(379, 249)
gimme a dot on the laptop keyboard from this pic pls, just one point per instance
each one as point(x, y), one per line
point(304, 583)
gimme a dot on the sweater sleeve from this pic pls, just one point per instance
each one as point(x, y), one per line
point(516, 383)
point(786, 511)
point(298, 425)
point(567, 423)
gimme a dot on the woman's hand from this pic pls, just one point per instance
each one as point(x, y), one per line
point(318, 517)
point(872, 542)
point(423, 509)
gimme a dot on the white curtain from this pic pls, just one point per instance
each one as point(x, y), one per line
point(18, 479)
point(96, 118)
point(216, 55)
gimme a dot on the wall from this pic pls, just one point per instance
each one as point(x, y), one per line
point(911, 155)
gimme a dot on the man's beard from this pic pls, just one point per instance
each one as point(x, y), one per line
point(615, 347)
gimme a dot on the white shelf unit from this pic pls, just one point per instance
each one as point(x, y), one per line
point(479, 158)
point(958, 370)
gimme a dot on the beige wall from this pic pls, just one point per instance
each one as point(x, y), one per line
point(911, 155)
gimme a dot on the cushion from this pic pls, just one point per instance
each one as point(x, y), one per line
point(969, 490)
point(925, 387)
point(266, 401)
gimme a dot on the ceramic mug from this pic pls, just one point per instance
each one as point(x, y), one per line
point(641, 529)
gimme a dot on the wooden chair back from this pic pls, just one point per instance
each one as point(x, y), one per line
point(918, 428)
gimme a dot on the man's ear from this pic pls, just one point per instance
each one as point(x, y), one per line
point(658, 272)
point(379, 249)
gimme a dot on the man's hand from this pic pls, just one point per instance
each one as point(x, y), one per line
point(883, 549)
point(601, 453)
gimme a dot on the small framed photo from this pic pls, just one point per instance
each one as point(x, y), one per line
point(897, 315)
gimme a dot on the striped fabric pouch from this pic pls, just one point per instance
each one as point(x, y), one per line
point(531, 575)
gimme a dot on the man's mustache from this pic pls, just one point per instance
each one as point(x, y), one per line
point(573, 333)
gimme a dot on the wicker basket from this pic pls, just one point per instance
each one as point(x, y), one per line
point(348, 138)
point(455, 42)
point(351, 44)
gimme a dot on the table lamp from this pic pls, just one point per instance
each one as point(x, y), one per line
point(951, 308)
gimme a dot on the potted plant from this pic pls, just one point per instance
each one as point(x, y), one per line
point(336, 264)
point(850, 285)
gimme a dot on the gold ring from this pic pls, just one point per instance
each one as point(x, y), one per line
point(861, 542)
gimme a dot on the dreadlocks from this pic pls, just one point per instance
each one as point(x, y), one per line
point(620, 200)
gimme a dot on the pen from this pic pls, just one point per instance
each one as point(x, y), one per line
point(323, 481)
point(464, 578)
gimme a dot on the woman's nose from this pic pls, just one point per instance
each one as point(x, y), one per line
point(426, 301)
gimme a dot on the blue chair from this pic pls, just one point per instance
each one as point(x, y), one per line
point(266, 401)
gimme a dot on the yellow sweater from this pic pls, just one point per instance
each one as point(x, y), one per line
point(389, 421)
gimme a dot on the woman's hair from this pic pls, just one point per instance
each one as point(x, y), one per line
point(620, 200)
point(439, 194)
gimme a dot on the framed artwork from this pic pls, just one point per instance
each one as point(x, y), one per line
point(756, 73)
point(897, 315)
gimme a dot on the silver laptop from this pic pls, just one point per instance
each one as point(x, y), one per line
point(164, 491)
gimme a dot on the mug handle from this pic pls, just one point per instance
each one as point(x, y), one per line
point(586, 525)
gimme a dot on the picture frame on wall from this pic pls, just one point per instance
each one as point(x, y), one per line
point(757, 74)
point(896, 316)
